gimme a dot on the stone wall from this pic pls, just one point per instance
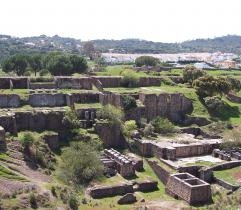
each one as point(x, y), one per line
point(225, 185)
point(3, 145)
point(47, 100)
point(110, 135)
point(42, 85)
point(73, 82)
point(147, 186)
point(149, 81)
point(9, 100)
point(88, 97)
point(8, 122)
point(165, 104)
point(161, 173)
point(114, 99)
point(143, 147)
point(189, 188)
point(109, 191)
point(109, 81)
point(39, 121)
point(18, 82)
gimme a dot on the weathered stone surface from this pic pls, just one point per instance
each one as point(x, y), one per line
point(147, 186)
point(110, 134)
point(127, 199)
point(114, 99)
point(47, 100)
point(107, 191)
point(8, 122)
point(165, 104)
point(9, 100)
point(189, 188)
point(73, 82)
point(52, 139)
point(88, 97)
point(18, 82)
point(234, 98)
point(3, 145)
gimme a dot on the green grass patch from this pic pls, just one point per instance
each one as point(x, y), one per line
point(232, 176)
point(9, 174)
point(87, 105)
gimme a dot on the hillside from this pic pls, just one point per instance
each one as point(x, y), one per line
point(41, 44)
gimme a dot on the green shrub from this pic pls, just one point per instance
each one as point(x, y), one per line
point(129, 78)
point(27, 139)
point(27, 73)
point(163, 126)
point(44, 72)
point(214, 103)
point(110, 113)
point(80, 163)
point(129, 103)
point(73, 202)
point(33, 201)
point(146, 61)
point(148, 130)
point(70, 120)
point(129, 128)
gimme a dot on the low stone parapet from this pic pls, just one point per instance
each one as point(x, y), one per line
point(109, 191)
point(9, 100)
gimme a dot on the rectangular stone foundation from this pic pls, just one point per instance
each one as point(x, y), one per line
point(189, 188)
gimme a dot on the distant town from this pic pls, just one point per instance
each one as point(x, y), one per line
point(199, 60)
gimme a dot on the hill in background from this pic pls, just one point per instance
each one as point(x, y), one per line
point(42, 44)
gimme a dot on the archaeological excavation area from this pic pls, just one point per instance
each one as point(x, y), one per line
point(140, 163)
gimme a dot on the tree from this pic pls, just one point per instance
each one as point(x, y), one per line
point(190, 73)
point(129, 103)
point(79, 64)
point(89, 50)
point(80, 163)
point(36, 63)
point(211, 86)
point(17, 63)
point(146, 61)
point(60, 65)
point(130, 78)
point(235, 83)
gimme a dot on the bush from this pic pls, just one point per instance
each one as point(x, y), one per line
point(129, 103)
point(146, 61)
point(148, 130)
point(27, 73)
point(44, 72)
point(129, 128)
point(33, 201)
point(190, 73)
point(130, 79)
point(111, 113)
point(80, 164)
point(163, 126)
point(27, 139)
point(70, 120)
point(214, 103)
point(73, 202)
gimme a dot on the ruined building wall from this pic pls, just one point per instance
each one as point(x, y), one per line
point(165, 104)
point(9, 100)
point(47, 100)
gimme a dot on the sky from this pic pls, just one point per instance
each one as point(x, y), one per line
point(155, 20)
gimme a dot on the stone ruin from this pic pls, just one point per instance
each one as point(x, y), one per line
point(227, 154)
point(122, 163)
point(3, 145)
point(189, 188)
